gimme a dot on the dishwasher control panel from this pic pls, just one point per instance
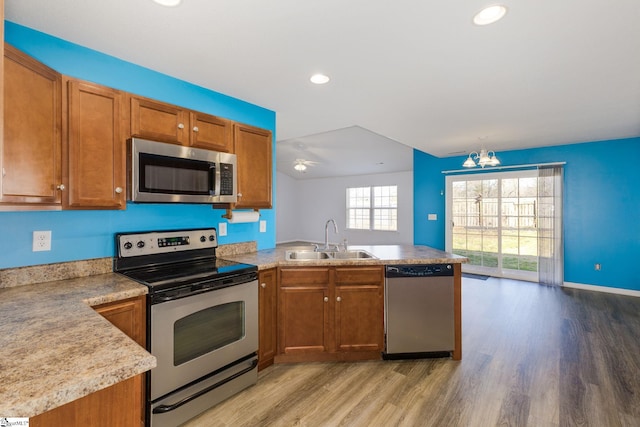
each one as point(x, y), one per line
point(419, 270)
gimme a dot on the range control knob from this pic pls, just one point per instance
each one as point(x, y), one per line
point(128, 245)
point(140, 244)
point(203, 239)
point(211, 238)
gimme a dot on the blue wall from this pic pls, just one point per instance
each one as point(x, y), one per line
point(90, 234)
point(601, 206)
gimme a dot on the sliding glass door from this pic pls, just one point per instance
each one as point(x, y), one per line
point(493, 221)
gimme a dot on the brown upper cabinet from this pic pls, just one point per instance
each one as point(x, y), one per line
point(64, 140)
point(31, 147)
point(94, 150)
point(159, 121)
point(63, 144)
point(253, 150)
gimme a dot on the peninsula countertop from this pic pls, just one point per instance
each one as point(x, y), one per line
point(56, 348)
point(385, 255)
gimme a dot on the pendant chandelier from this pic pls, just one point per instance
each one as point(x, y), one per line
point(485, 158)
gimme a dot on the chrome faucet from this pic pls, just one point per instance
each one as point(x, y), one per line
point(326, 233)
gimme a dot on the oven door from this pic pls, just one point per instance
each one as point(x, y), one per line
point(196, 335)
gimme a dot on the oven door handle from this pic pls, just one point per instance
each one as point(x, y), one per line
point(163, 409)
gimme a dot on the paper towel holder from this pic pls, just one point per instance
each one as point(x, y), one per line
point(229, 214)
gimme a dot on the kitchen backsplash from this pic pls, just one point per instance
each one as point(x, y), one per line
point(11, 277)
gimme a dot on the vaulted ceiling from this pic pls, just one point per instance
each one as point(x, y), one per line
point(404, 74)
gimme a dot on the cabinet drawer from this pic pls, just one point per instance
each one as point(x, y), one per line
point(359, 275)
point(304, 276)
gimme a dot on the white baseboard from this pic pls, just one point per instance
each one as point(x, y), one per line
point(619, 291)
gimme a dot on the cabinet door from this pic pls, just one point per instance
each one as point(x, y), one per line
point(121, 404)
point(267, 308)
point(159, 121)
point(253, 150)
point(95, 147)
point(128, 316)
point(359, 309)
point(117, 405)
point(303, 311)
point(31, 150)
point(211, 132)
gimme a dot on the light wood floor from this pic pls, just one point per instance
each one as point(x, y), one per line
point(532, 356)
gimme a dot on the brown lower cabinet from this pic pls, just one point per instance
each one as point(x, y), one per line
point(330, 313)
point(267, 315)
point(118, 405)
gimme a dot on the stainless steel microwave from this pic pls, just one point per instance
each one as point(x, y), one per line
point(166, 173)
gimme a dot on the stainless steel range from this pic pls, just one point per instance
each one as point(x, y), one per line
point(202, 320)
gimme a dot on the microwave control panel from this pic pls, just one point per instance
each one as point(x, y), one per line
point(226, 179)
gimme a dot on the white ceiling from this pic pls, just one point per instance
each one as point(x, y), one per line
point(409, 73)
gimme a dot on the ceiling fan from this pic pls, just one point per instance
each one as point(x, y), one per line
point(301, 165)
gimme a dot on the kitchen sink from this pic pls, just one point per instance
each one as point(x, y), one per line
point(352, 255)
point(306, 255)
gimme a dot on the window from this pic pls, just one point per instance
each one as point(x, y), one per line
point(373, 208)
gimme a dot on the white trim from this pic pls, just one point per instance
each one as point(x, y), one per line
point(492, 168)
point(607, 289)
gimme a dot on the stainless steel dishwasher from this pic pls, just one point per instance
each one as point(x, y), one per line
point(419, 311)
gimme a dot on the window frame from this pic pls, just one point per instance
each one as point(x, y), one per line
point(372, 208)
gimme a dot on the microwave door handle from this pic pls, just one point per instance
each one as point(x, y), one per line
point(215, 177)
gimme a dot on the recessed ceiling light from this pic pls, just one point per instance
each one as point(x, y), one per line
point(168, 3)
point(319, 79)
point(490, 14)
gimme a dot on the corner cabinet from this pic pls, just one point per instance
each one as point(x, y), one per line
point(267, 316)
point(253, 148)
point(31, 147)
point(330, 313)
point(118, 405)
point(95, 150)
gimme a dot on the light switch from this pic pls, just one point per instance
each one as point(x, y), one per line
point(222, 229)
point(433, 217)
point(263, 226)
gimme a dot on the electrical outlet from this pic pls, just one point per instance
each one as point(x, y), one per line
point(41, 241)
point(222, 229)
point(597, 266)
point(263, 226)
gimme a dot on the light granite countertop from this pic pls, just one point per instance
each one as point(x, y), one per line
point(385, 255)
point(55, 348)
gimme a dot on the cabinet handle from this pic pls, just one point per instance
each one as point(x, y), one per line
point(195, 129)
point(263, 285)
point(4, 172)
point(118, 190)
point(338, 299)
point(180, 126)
point(239, 194)
point(326, 299)
point(61, 187)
